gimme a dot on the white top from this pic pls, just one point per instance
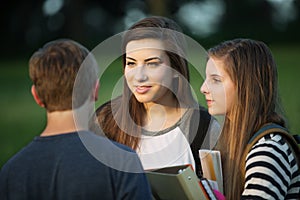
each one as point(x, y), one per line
point(169, 149)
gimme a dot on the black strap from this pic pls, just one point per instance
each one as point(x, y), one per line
point(203, 118)
point(297, 138)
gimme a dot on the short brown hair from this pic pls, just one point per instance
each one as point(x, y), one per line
point(54, 69)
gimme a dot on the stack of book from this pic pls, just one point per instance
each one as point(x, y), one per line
point(181, 182)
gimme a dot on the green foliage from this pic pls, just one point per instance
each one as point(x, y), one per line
point(21, 119)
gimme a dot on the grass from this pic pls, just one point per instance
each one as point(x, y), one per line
point(21, 119)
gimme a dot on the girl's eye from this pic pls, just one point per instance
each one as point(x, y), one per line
point(216, 80)
point(130, 63)
point(153, 64)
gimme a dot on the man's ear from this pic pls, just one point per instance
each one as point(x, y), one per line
point(36, 97)
point(96, 90)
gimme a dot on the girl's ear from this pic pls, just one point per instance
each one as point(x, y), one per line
point(36, 97)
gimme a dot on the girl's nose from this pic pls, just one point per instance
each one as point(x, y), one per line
point(204, 89)
point(140, 74)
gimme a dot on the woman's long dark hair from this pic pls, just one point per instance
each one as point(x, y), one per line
point(122, 118)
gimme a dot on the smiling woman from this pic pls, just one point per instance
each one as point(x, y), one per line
point(155, 112)
point(148, 72)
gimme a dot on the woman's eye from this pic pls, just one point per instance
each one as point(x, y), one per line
point(216, 80)
point(153, 64)
point(130, 63)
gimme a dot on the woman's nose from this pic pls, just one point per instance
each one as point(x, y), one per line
point(204, 89)
point(140, 74)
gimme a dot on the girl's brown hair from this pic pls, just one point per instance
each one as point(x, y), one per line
point(252, 69)
point(122, 118)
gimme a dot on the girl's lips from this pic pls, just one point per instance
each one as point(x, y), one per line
point(209, 102)
point(142, 89)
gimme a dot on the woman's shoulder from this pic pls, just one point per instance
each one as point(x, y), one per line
point(272, 141)
point(275, 150)
point(271, 164)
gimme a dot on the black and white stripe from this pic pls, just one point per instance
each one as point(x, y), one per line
point(271, 170)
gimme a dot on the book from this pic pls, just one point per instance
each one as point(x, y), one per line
point(212, 168)
point(179, 182)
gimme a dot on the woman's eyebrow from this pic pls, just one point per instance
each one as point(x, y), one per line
point(215, 75)
point(146, 60)
point(130, 58)
point(153, 58)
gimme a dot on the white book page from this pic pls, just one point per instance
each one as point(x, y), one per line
point(212, 167)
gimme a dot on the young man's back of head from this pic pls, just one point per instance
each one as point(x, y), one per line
point(54, 69)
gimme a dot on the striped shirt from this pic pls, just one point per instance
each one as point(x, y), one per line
point(271, 170)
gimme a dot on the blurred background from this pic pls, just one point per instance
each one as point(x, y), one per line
point(27, 25)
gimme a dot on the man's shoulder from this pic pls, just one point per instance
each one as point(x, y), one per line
point(90, 138)
point(16, 160)
point(111, 153)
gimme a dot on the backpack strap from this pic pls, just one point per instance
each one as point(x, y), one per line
point(297, 138)
point(204, 121)
point(265, 130)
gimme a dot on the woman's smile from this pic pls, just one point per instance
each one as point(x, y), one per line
point(142, 89)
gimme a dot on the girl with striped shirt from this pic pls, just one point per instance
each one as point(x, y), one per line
point(241, 85)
